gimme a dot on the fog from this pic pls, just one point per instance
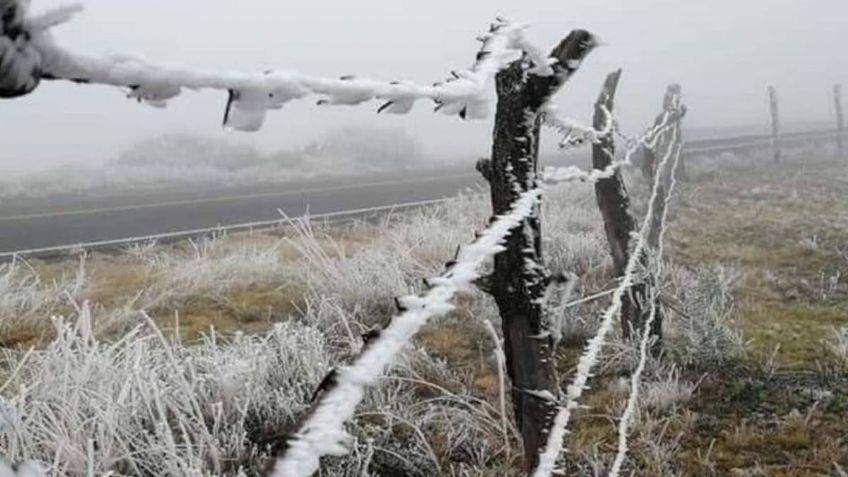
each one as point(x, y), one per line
point(723, 52)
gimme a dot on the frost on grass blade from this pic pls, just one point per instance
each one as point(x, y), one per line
point(9, 417)
point(29, 469)
point(323, 432)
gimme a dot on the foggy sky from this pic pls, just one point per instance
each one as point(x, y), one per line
point(723, 52)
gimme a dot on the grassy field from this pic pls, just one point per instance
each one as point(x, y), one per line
point(135, 381)
point(786, 228)
point(782, 410)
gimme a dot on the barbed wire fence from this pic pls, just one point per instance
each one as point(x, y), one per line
point(512, 240)
point(35, 56)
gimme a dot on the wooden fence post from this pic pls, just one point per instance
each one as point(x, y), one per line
point(669, 143)
point(775, 123)
point(614, 204)
point(650, 159)
point(520, 279)
point(611, 192)
point(840, 120)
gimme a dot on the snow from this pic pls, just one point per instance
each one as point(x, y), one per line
point(323, 432)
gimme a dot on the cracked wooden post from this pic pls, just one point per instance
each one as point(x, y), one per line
point(775, 123)
point(840, 120)
point(519, 279)
point(614, 204)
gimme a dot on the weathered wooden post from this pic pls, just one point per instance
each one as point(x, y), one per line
point(614, 204)
point(840, 120)
point(519, 279)
point(673, 105)
point(611, 192)
point(669, 144)
point(661, 140)
point(775, 123)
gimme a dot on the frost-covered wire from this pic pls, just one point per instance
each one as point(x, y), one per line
point(635, 379)
point(323, 431)
point(574, 132)
point(548, 458)
point(37, 55)
point(552, 175)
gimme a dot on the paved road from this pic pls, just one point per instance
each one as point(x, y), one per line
point(69, 222)
point(166, 214)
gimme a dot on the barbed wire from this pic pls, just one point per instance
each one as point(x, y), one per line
point(34, 54)
point(556, 437)
point(555, 175)
point(323, 432)
point(29, 53)
point(635, 379)
point(574, 133)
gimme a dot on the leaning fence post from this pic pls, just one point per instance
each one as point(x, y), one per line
point(840, 119)
point(614, 203)
point(611, 192)
point(775, 123)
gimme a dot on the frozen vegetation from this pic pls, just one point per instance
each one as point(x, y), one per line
point(129, 381)
point(203, 358)
point(199, 358)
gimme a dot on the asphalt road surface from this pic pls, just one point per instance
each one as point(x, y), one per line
point(41, 227)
